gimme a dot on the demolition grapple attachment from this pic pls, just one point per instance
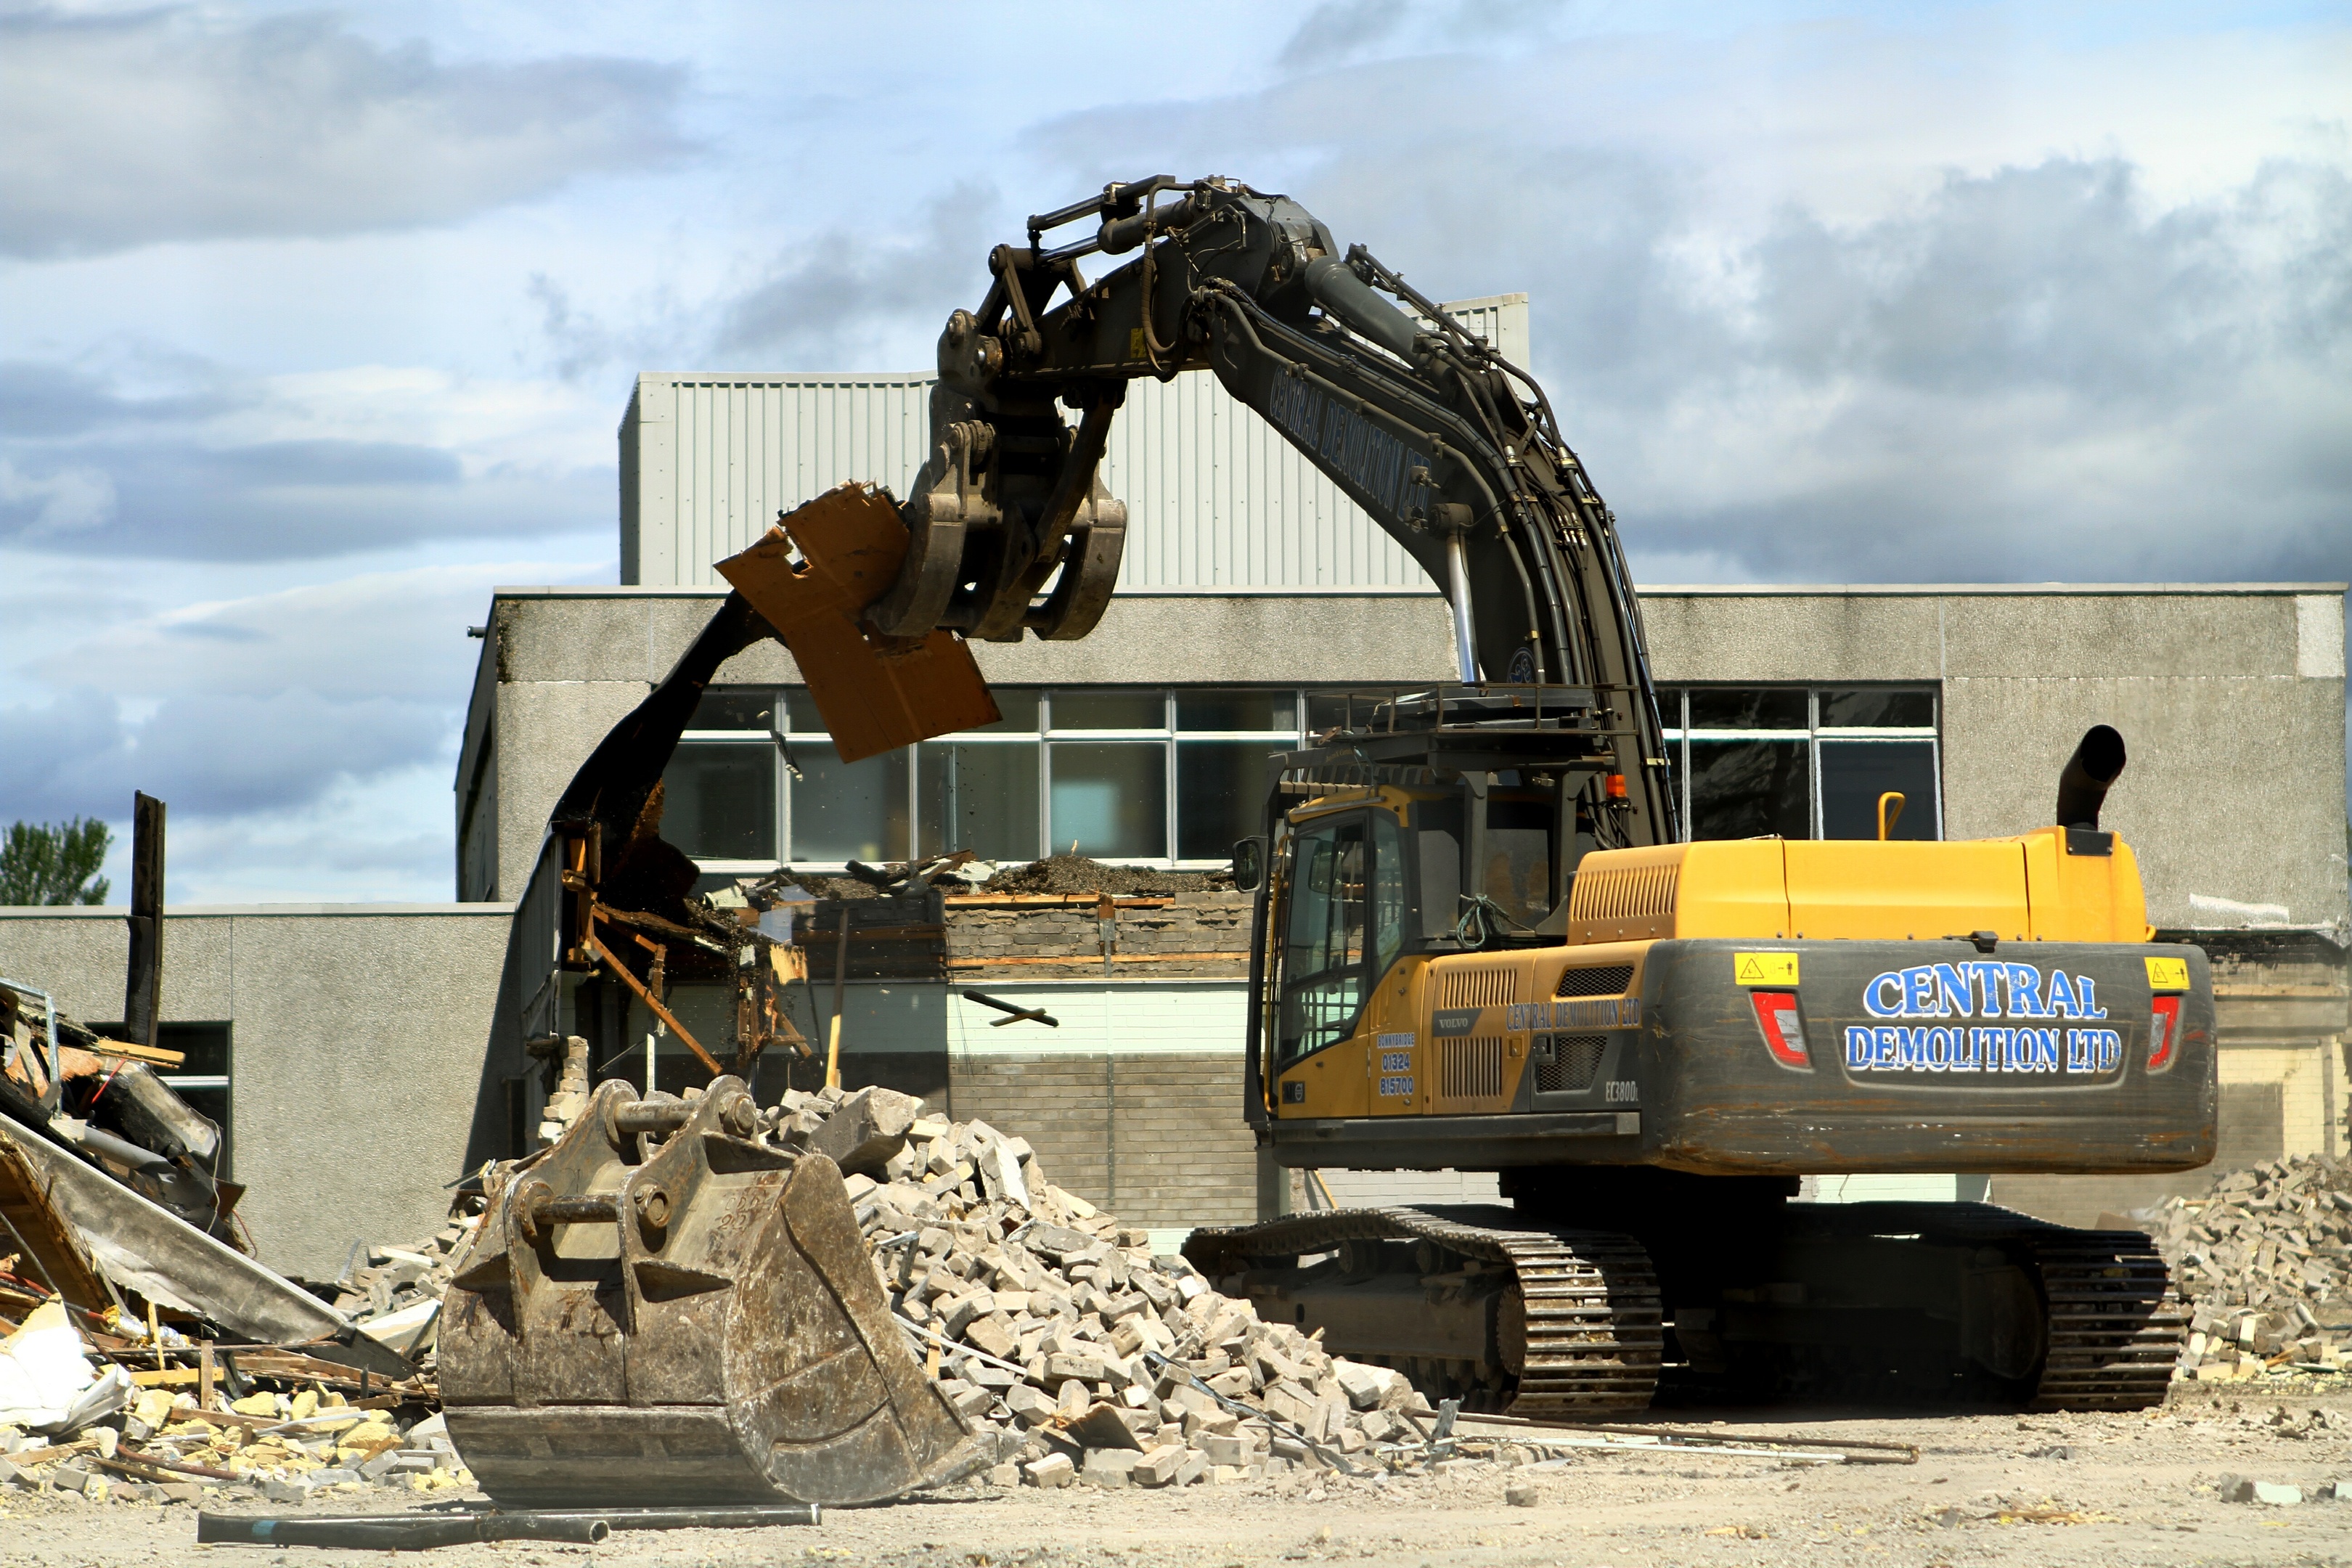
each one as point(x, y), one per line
point(664, 1310)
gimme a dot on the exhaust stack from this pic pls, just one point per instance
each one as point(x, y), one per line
point(2095, 765)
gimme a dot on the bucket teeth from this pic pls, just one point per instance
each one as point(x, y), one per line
point(691, 1320)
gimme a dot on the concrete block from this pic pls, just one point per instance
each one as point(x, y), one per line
point(1226, 1448)
point(2245, 1488)
point(1159, 1466)
point(1005, 1475)
point(869, 1128)
point(1053, 1471)
point(1111, 1468)
point(1522, 1494)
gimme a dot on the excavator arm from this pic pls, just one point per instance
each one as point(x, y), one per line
point(1449, 447)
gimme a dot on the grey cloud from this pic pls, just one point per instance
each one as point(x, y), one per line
point(42, 399)
point(209, 755)
point(1338, 30)
point(834, 301)
point(131, 481)
point(2040, 372)
point(133, 128)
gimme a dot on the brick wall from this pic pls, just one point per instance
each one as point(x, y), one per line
point(1157, 1139)
point(1194, 934)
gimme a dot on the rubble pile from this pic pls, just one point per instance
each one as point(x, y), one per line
point(394, 1292)
point(1055, 1329)
point(72, 1419)
point(2265, 1260)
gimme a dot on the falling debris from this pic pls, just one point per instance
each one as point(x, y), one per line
point(2265, 1260)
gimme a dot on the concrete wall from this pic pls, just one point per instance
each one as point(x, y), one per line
point(2230, 699)
point(356, 1052)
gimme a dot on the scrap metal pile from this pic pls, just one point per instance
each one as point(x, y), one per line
point(146, 1354)
point(2265, 1258)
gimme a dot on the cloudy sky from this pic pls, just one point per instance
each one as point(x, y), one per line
point(316, 324)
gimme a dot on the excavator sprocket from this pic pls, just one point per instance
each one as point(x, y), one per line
point(664, 1310)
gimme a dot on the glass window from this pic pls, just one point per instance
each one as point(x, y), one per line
point(1019, 706)
point(1878, 710)
point(1110, 800)
point(1518, 873)
point(1388, 892)
point(1854, 773)
point(1323, 935)
point(1437, 829)
point(1220, 796)
point(719, 801)
point(734, 708)
point(800, 712)
point(1110, 708)
point(980, 797)
point(1236, 710)
point(1745, 789)
point(1670, 707)
point(1731, 708)
point(854, 811)
point(202, 1078)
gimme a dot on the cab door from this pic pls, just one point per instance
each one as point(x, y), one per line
point(1342, 926)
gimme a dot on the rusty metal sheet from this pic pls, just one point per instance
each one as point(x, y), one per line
point(874, 695)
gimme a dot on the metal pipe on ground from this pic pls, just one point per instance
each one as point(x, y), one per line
point(422, 1531)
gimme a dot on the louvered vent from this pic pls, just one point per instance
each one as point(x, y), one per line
point(1472, 1069)
point(1602, 980)
point(1631, 893)
point(1575, 1059)
point(1478, 987)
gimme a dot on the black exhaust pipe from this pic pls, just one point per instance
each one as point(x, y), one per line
point(2095, 765)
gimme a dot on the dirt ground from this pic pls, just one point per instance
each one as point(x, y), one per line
point(2056, 1491)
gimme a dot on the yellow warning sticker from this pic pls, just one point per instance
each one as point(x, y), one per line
point(1764, 968)
point(1135, 346)
point(2168, 974)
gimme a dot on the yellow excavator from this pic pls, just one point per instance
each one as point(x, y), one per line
point(1482, 940)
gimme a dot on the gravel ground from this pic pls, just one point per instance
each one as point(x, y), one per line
point(2056, 1490)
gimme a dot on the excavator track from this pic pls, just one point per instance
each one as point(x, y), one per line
point(2112, 1322)
point(1579, 1329)
point(2116, 1324)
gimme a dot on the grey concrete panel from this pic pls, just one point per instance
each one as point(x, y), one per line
point(2232, 790)
point(358, 1054)
point(2092, 636)
point(78, 955)
point(357, 1047)
point(1143, 639)
point(546, 730)
point(579, 638)
point(1828, 636)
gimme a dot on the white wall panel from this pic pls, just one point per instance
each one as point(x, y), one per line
point(1216, 497)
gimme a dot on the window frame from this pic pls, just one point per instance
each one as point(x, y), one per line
point(1673, 709)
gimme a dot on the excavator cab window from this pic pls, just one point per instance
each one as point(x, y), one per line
point(1344, 926)
point(1518, 856)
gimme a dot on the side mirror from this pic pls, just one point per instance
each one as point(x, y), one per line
point(1249, 864)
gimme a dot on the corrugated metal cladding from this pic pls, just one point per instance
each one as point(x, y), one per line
point(1216, 497)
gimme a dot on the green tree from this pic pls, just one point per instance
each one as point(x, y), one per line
point(54, 863)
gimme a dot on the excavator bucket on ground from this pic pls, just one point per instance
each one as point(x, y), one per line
point(664, 1310)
